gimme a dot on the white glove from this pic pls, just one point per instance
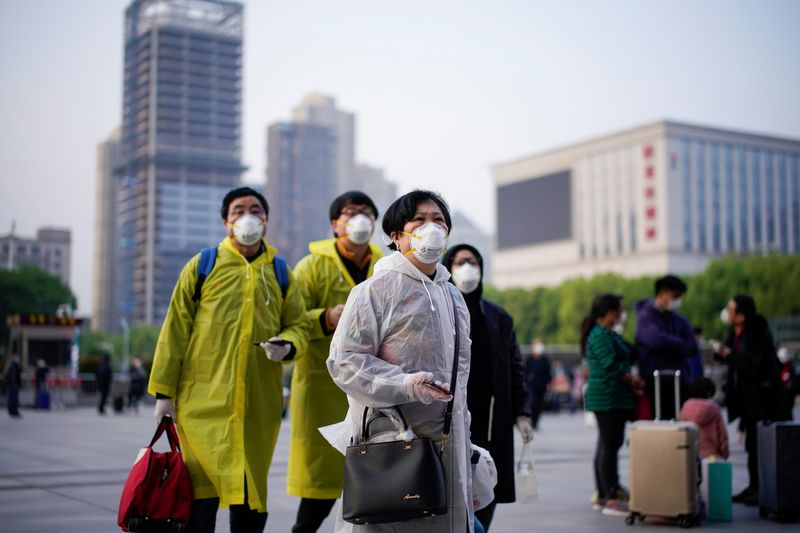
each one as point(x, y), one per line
point(276, 352)
point(415, 384)
point(164, 406)
point(525, 428)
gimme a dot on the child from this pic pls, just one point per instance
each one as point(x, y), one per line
point(705, 412)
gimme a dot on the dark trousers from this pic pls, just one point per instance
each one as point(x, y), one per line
point(242, 519)
point(537, 406)
point(751, 446)
point(485, 515)
point(610, 436)
point(12, 403)
point(311, 514)
point(101, 407)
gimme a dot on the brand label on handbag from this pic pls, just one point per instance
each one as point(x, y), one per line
point(412, 497)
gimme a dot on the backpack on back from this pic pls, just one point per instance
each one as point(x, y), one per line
point(208, 256)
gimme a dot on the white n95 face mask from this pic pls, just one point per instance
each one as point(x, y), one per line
point(466, 277)
point(359, 229)
point(674, 305)
point(248, 229)
point(428, 242)
point(725, 317)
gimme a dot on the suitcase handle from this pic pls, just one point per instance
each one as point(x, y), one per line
point(657, 378)
point(168, 425)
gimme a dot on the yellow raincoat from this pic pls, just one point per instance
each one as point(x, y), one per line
point(316, 469)
point(227, 394)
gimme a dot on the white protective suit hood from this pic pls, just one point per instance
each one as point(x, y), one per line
point(387, 331)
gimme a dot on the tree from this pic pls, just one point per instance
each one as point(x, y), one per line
point(30, 290)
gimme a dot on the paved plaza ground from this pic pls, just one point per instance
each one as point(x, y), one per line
point(62, 471)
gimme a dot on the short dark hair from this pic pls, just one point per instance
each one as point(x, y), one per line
point(351, 198)
point(702, 387)
point(671, 283)
point(241, 192)
point(745, 305)
point(404, 208)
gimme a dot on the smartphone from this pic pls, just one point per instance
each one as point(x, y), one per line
point(279, 343)
point(436, 387)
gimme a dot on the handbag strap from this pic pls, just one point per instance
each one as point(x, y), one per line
point(167, 425)
point(448, 411)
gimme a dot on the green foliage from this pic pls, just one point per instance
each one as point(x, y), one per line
point(143, 340)
point(554, 314)
point(30, 290)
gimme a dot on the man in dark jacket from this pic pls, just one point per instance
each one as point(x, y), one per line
point(103, 383)
point(538, 375)
point(664, 341)
point(13, 382)
point(753, 389)
point(496, 395)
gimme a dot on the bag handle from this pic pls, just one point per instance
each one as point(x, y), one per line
point(448, 411)
point(167, 424)
point(366, 423)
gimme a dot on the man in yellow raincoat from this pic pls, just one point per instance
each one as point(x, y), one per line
point(325, 277)
point(210, 374)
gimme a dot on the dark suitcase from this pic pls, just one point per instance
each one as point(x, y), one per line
point(43, 400)
point(779, 470)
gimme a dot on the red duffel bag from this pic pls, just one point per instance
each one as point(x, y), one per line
point(158, 493)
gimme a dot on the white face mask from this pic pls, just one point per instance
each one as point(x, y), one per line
point(783, 354)
point(538, 348)
point(359, 229)
point(723, 315)
point(618, 328)
point(428, 242)
point(467, 277)
point(622, 318)
point(674, 305)
point(248, 229)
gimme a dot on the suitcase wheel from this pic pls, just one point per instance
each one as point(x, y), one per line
point(686, 521)
point(630, 519)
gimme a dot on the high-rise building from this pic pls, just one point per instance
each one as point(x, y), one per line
point(301, 161)
point(664, 197)
point(180, 143)
point(372, 181)
point(320, 110)
point(105, 313)
point(51, 251)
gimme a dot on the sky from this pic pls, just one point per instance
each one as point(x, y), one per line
point(441, 90)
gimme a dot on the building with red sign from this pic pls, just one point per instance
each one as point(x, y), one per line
point(663, 197)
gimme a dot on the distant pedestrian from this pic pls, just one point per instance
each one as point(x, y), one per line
point(610, 395)
point(789, 377)
point(705, 412)
point(103, 374)
point(137, 383)
point(537, 378)
point(13, 382)
point(664, 340)
point(753, 389)
point(41, 375)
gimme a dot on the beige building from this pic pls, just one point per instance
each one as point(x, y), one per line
point(663, 197)
point(50, 250)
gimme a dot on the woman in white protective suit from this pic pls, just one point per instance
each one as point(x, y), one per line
point(397, 333)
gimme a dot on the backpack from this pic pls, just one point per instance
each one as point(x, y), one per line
point(208, 256)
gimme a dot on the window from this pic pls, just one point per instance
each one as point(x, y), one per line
point(729, 195)
point(744, 213)
point(755, 176)
point(700, 167)
point(686, 160)
point(716, 236)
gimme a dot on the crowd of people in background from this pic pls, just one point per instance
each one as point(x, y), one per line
point(367, 332)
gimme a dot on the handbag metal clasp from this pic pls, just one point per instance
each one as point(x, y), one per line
point(362, 448)
point(407, 445)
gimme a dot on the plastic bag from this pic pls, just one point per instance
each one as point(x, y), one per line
point(525, 477)
point(484, 477)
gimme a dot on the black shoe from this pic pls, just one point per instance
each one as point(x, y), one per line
point(746, 495)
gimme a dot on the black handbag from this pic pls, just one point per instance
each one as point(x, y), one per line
point(399, 480)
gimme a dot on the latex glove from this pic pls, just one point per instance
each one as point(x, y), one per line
point(276, 352)
point(164, 406)
point(525, 428)
point(415, 384)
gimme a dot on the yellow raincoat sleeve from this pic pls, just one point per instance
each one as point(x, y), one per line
point(173, 340)
point(308, 282)
point(294, 323)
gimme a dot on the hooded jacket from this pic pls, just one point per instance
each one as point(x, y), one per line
point(396, 323)
point(663, 340)
point(708, 417)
